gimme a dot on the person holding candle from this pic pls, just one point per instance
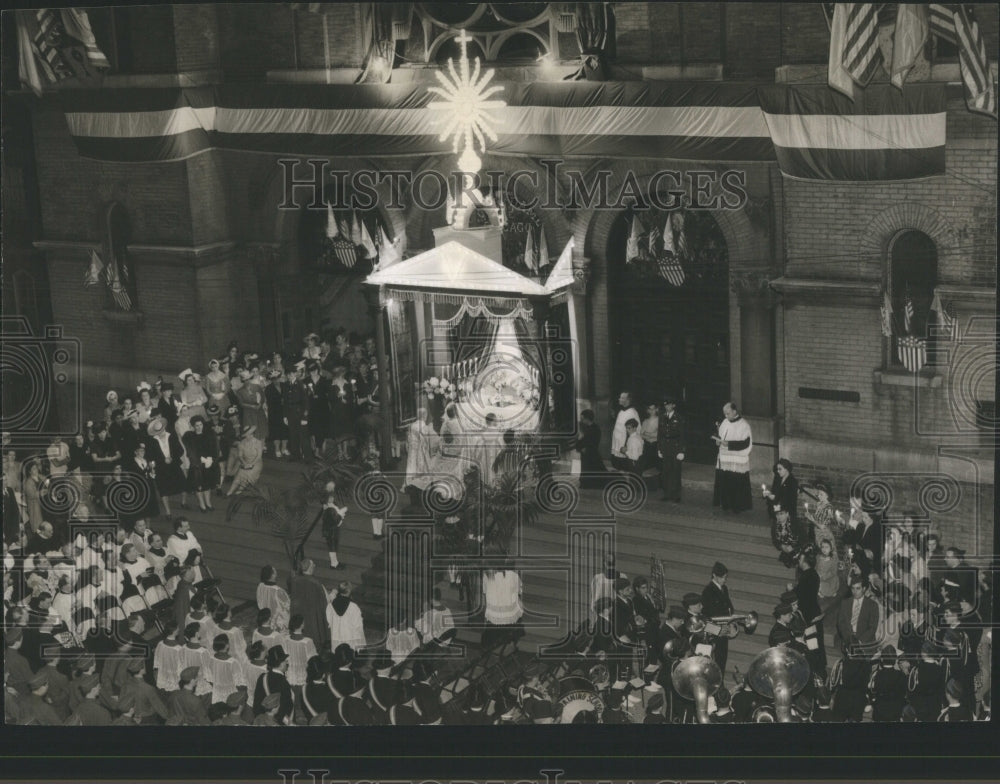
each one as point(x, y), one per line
point(784, 491)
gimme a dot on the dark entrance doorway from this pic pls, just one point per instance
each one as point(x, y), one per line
point(669, 338)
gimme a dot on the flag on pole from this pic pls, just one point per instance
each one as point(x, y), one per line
point(941, 22)
point(886, 313)
point(653, 237)
point(529, 251)
point(948, 324)
point(93, 276)
point(331, 223)
point(388, 250)
point(908, 40)
point(861, 55)
point(837, 75)
point(543, 249)
point(56, 44)
point(668, 237)
point(632, 246)
point(907, 314)
point(677, 219)
point(366, 240)
point(980, 90)
point(118, 292)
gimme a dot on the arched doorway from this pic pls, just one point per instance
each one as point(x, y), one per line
point(668, 338)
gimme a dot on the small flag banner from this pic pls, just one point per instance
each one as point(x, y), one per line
point(912, 352)
point(947, 324)
point(886, 314)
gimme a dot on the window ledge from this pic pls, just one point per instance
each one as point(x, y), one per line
point(131, 317)
point(900, 377)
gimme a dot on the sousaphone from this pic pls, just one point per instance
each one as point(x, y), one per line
point(695, 678)
point(779, 673)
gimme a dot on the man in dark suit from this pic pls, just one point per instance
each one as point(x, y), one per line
point(867, 537)
point(670, 440)
point(716, 603)
point(781, 632)
point(857, 617)
point(624, 613)
point(11, 516)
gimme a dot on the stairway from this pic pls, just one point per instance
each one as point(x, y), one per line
point(688, 538)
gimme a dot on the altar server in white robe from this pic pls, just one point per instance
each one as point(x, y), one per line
point(620, 435)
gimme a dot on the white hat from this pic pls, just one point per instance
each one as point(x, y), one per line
point(143, 385)
point(111, 395)
point(184, 374)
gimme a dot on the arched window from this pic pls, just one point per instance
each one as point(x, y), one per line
point(912, 279)
point(122, 294)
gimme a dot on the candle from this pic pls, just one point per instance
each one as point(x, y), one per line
point(764, 488)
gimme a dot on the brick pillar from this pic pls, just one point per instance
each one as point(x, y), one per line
point(196, 31)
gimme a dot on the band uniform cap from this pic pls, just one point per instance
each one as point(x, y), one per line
point(669, 400)
point(13, 635)
point(190, 674)
point(676, 611)
point(719, 569)
point(88, 682)
point(789, 597)
point(952, 607)
point(929, 648)
point(271, 701)
point(167, 386)
point(622, 583)
point(888, 656)
point(691, 599)
point(40, 679)
point(236, 699)
point(782, 609)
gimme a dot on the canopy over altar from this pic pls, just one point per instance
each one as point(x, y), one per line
point(464, 328)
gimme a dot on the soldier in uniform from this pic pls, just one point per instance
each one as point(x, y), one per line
point(89, 712)
point(956, 706)
point(58, 684)
point(234, 711)
point(670, 439)
point(15, 665)
point(887, 690)
point(185, 708)
point(34, 706)
point(297, 409)
point(149, 708)
point(270, 706)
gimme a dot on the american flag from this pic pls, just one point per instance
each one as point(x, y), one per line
point(912, 352)
point(957, 25)
point(947, 324)
point(886, 313)
point(94, 270)
point(907, 314)
point(862, 56)
point(118, 291)
point(671, 269)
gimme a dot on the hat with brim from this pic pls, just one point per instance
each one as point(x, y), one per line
point(183, 375)
point(782, 609)
point(789, 597)
point(213, 363)
point(212, 409)
point(39, 680)
point(112, 395)
point(691, 599)
point(237, 699)
point(276, 656)
point(248, 431)
point(156, 427)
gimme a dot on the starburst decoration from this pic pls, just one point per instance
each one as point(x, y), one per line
point(467, 99)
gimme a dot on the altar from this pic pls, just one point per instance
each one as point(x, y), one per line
point(463, 329)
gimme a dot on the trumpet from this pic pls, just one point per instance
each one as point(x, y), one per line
point(727, 626)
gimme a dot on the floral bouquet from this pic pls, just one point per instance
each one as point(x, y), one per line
point(440, 387)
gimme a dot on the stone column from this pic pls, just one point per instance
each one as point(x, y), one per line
point(376, 310)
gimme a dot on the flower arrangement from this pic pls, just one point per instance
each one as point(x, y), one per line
point(440, 387)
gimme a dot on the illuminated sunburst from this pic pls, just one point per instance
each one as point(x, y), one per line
point(467, 99)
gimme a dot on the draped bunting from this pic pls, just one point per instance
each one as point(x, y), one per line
point(494, 309)
point(389, 21)
point(810, 130)
point(703, 121)
point(595, 34)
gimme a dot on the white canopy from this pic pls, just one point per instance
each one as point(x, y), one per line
point(454, 267)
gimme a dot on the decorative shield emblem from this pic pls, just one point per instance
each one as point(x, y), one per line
point(345, 251)
point(912, 352)
point(671, 269)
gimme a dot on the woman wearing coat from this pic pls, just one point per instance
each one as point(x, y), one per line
point(250, 452)
point(784, 493)
point(164, 451)
point(277, 423)
point(202, 452)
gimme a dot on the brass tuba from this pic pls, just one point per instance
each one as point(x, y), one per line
point(779, 673)
point(695, 678)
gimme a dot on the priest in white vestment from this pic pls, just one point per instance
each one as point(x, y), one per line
point(620, 435)
point(732, 468)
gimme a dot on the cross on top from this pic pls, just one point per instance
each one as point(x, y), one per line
point(463, 39)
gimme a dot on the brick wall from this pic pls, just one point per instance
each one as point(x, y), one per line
point(343, 44)
point(210, 196)
point(196, 31)
point(74, 189)
point(150, 33)
point(255, 38)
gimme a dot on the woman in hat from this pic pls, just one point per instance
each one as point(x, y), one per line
point(342, 410)
point(192, 401)
point(250, 397)
point(250, 451)
point(164, 453)
point(277, 421)
point(141, 472)
point(318, 393)
point(34, 489)
point(202, 450)
point(111, 407)
point(311, 351)
point(217, 385)
point(823, 519)
point(145, 405)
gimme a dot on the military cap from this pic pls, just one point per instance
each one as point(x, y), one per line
point(271, 701)
point(88, 682)
point(691, 599)
point(13, 635)
point(40, 679)
point(782, 609)
point(237, 699)
point(789, 597)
